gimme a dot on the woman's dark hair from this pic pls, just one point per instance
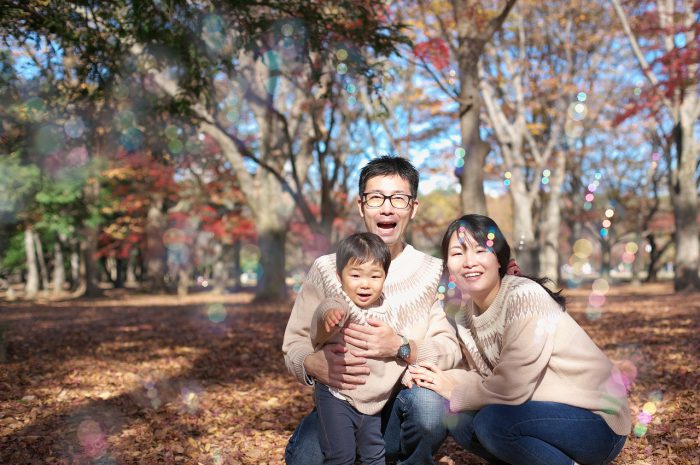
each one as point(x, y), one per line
point(487, 234)
point(388, 165)
point(362, 248)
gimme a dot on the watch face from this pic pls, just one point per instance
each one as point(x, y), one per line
point(404, 351)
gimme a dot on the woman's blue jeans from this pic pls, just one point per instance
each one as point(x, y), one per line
point(413, 424)
point(538, 433)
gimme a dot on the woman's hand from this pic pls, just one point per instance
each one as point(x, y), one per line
point(374, 340)
point(429, 376)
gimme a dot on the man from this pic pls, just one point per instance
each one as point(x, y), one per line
point(413, 429)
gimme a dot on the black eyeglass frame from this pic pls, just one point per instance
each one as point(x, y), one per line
point(390, 197)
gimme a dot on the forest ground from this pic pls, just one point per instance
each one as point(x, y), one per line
point(140, 379)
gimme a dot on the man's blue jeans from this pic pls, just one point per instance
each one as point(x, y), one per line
point(534, 433)
point(414, 426)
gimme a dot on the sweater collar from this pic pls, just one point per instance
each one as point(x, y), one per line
point(404, 259)
point(497, 306)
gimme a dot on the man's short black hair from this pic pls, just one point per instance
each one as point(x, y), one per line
point(389, 165)
point(362, 248)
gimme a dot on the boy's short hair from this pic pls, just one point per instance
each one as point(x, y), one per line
point(388, 165)
point(362, 248)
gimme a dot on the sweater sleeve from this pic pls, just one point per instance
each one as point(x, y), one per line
point(527, 347)
point(318, 335)
point(439, 346)
point(296, 345)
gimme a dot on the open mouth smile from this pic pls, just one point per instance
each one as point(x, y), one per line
point(386, 225)
point(472, 275)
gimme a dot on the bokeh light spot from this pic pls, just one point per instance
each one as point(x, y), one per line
point(649, 408)
point(583, 248)
point(216, 313)
point(601, 286)
point(341, 54)
point(175, 146)
point(74, 127)
point(640, 430)
point(596, 300)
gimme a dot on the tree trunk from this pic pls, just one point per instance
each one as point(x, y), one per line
point(271, 280)
point(131, 268)
point(685, 206)
point(237, 263)
point(120, 265)
point(90, 269)
point(551, 223)
point(59, 272)
point(91, 191)
point(74, 264)
point(654, 256)
point(222, 267)
point(472, 196)
point(524, 242)
point(183, 280)
point(43, 272)
point(472, 36)
point(32, 284)
point(605, 258)
point(637, 263)
point(155, 248)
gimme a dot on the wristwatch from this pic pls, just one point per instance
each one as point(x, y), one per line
point(404, 351)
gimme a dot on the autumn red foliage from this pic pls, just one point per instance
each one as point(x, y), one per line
point(433, 51)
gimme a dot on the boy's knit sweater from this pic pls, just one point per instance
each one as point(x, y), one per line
point(410, 289)
point(524, 347)
point(384, 373)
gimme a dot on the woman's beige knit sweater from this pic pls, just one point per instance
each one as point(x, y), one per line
point(524, 347)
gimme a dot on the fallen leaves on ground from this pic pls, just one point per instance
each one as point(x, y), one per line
point(157, 380)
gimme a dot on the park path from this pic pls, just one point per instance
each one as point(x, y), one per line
point(135, 379)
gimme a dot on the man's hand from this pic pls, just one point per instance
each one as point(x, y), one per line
point(374, 340)
point(336, 367)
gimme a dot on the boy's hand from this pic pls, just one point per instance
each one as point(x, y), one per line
point(333, 318)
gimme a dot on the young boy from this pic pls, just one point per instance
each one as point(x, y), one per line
point(350, 420)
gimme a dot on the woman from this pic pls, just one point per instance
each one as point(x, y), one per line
point(538, 390)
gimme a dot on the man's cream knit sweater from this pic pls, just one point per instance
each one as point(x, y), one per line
point(410, 290)
point(524, 347)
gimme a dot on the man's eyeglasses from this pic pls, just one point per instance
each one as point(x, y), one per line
point(376, 200)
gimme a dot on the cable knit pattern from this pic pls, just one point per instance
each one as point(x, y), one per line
point(410, 294)
point(524, 347)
